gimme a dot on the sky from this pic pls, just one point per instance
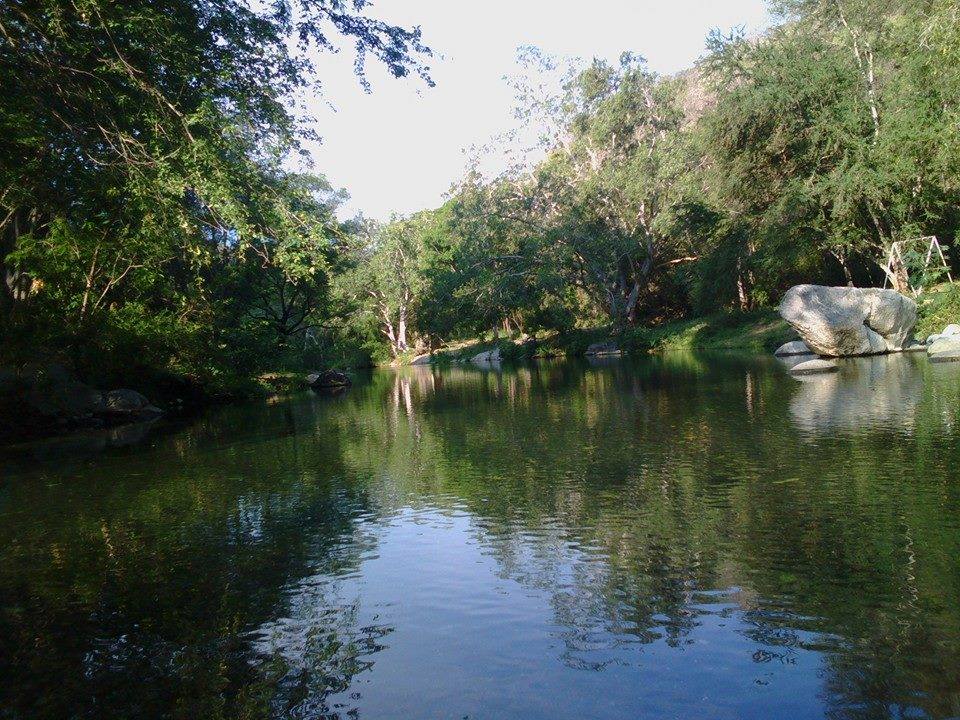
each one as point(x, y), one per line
point(399, 148)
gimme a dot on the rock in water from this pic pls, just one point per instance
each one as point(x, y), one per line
point(422, 359)
point(944, 344)
point(603, 348)
point(128, 406)
point(814, 367)
point(329, 379)
point(945, 349)
point(795, 347)
point(125, 401)
point(839, 321)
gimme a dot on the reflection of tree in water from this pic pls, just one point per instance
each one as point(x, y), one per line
point(318, 648)
point(141, 603)
point(213, 574)
point(639, 498)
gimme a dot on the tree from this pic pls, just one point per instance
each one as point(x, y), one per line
point(145, 151)
point(387, 279)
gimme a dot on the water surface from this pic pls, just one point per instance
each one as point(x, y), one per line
point(674, 537)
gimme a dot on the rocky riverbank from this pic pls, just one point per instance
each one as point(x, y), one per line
point(47, 399)
point(759, 331)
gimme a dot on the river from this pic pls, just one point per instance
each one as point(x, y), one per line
point(681, 536)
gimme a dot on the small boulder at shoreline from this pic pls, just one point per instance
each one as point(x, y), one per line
point(125, 404)
point(422, 359)
point(328, 379)
point(945, 349)
point(603, 348)
point(950, 331)
point(814, 367)
point(792, 348)
point(124, 401)
point(944, 345)
point(488, 357)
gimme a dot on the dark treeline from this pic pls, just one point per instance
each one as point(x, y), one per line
point(149, 220)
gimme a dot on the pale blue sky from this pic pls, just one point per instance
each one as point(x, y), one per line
point(398, 149)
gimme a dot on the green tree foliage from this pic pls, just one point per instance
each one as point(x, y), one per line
point(386, 278)
point(797, 156)
point(144, 193)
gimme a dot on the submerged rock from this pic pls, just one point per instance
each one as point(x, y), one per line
point(794, 347)
point(814, 367)
point(841, 321)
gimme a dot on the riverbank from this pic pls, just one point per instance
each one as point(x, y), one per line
point(936, 308)
point(759, 331)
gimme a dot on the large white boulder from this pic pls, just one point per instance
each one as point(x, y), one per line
point(840, 321)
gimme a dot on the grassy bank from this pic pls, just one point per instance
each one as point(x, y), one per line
point(760, 331)
point(937, 308)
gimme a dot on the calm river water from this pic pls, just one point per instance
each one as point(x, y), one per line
point(674, 537)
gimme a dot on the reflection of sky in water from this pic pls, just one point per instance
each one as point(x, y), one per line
point(441, 628)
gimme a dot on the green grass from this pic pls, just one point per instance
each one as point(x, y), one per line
point(937, 308)
point(760, 330)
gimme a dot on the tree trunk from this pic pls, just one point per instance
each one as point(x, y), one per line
point(631, 305)
point(402, 330)
point(847, 275)
point(743, 294)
